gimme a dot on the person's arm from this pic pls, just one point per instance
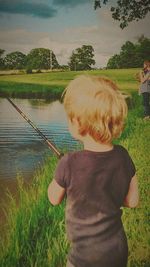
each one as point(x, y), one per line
point(56, 193)
point(143, 77)
point(132, 197)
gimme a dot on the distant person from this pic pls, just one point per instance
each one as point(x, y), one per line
point(145, 88)
point(97, 180)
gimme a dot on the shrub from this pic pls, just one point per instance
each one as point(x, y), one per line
point(29, 71)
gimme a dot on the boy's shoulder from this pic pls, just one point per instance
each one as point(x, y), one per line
point(82, 153)
point(70, 155)
point(121, 149)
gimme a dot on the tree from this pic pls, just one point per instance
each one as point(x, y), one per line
point(131, 55)
point(64, 67)
point(114, 62)
point(127, 10)
point(15, 60)
point(41, 58)
point(1, 59)
point(142, 50)
point(128, 57)
point(82, 58)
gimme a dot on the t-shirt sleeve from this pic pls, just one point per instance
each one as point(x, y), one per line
point(62, 172)
point(130, 166)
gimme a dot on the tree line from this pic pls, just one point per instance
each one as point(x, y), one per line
point(38, 58)
point(132, 55)
point(42, 58)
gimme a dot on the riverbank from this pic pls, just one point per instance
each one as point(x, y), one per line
point(51, 85)
point(36, 230)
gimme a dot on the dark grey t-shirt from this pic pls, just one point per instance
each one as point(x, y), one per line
point(96, 184)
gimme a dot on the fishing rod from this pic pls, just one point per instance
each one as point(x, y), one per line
point(50, 144)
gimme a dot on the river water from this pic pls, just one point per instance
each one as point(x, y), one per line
point(22, 150)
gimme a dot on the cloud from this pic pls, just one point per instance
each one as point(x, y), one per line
point(104, 35)
point(62, 45)
point(70, 3)
point(41, 10)
point(23, 41)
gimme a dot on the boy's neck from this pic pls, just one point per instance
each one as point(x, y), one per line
point(91, 145)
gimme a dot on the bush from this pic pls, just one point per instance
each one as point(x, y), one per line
point(38, 71)
point(28, 71)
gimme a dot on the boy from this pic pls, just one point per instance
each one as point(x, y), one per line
point(97, 180)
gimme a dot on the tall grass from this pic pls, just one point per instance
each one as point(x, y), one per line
point(36, 230)
point(136, 140)
point(36, 235)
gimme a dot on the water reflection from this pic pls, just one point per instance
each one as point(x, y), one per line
point(21, 148)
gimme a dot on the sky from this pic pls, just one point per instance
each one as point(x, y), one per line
point(63, 26)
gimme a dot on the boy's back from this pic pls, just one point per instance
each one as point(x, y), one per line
point(96, 184)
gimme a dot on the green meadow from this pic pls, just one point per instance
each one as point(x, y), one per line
point(35, 230)
point(51, 85)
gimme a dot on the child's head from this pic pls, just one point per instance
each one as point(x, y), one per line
point(98, 107)
point(146, 64)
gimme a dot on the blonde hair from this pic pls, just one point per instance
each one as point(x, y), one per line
point(98, 106)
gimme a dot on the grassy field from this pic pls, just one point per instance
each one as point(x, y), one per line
point(51, 85)
point(36, 230)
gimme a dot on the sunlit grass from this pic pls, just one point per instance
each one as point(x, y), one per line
point(53, 84)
